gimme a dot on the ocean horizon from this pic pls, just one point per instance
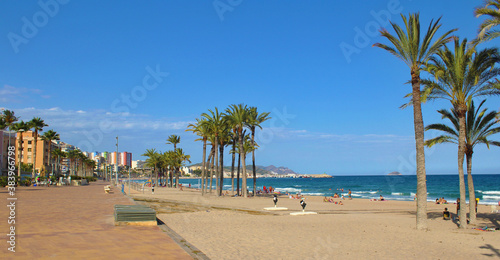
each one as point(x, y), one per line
point(395, 187)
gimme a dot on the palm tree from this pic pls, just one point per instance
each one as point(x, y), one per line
point(20, 127)
point(254, 121)
point(201, 128)
point(7, 120)
point(179, 160)
point(459, 77)
point(238, 118)
point(50, 136)
point(174, 139)
point(37, 124)
point(224, 139)
point(153, 160)
point(415, 52)
point(216, 122)
point(72, 156)
point(479, 126)
point(58, 153)
point(491, 9)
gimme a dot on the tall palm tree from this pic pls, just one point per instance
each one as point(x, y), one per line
point(8, 118)
point(153, 160)
point(50, 136)
point(491, 9)
point(72, 156)
point(459, 76)
point(58, 153)
point(20, 127)
point(479, 126)
point(216, 122)
point(415, 52)
point(37, 124)
point(180, 158)
point(224, 139)
point(254, 121)
point(238, 118)
point(201, 128)
point(174, 139)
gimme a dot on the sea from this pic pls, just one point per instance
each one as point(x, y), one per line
point(401, 187)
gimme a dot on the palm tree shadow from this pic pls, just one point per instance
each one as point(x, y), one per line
point(489, 219)
point(492, 248)
point(439, 215)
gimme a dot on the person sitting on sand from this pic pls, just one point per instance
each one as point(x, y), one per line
point(438, 201)
point(336, 195)
point(443, 201)
point(340, 203)
point(381, 198)
point(446, 214)
point(325, 200)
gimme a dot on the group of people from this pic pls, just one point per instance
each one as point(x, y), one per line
point(441, 201)
point(333, 201)
point(268, 190)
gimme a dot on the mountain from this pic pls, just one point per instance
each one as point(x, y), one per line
point(278, 170)
point(262, 170)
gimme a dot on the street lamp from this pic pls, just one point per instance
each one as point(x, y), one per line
point(116, 161)
point(20, 150)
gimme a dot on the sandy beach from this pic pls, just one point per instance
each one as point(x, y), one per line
point(239, 228)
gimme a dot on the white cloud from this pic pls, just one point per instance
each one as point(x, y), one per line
point(294, 134)
point(64, 120)
point(10, 94)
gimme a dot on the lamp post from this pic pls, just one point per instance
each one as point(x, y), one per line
point(116, 176)
point(20, 150)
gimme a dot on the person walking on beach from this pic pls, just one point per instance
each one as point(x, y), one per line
point(153, 189)
point(458, 208)
point(350, 194)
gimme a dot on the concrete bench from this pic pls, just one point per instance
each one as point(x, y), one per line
point(135, 215)
point(107, 189)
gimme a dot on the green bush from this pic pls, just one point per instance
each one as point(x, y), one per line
point(75, 177)
point(4, 181)
point(91, 178)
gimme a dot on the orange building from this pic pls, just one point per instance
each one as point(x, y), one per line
point(27, 155)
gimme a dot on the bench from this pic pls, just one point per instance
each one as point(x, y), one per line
point(107, 189)
point(135, 215)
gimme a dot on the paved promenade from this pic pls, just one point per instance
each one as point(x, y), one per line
point(77, 223)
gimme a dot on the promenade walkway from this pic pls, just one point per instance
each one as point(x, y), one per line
point(77, 223)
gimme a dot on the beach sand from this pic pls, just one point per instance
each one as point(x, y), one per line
point(239, 228)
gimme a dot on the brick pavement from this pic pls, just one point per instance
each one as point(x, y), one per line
point(77, 223)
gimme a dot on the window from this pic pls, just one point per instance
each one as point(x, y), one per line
point(29, 142)
point(29, 150)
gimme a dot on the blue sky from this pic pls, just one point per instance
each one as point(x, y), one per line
point(145, 70)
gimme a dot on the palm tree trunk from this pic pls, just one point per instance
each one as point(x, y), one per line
point(177, 174)
point(232, 169)
point(35, 137)
point(211, 173)
point(203, 165)
point(216, 145)
point(419, 143)
point(461, 179)
point(221, 182)
point(19, 153)
point(243, 167)
point(253, 164)
point(472, 193)
point(238, 176)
